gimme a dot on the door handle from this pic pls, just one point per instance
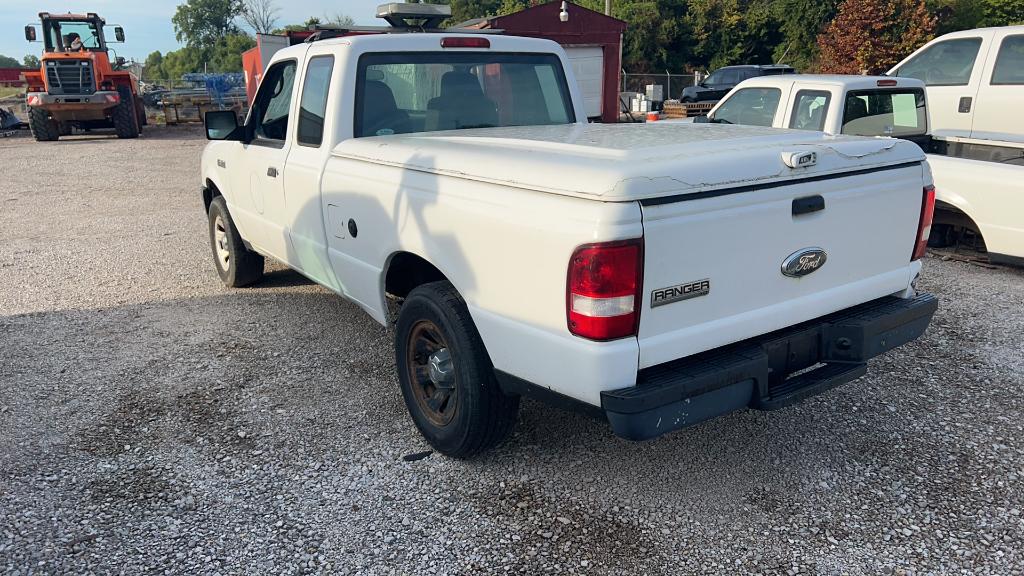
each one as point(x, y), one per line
point(272, 172)
point(965, 104)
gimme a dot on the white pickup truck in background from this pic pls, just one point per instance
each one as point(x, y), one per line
point(975, 89)
point(657, 275)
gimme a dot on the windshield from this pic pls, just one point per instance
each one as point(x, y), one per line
point(60, 35)
point(430, 91)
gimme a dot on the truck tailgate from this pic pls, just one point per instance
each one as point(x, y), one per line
point(713, 270)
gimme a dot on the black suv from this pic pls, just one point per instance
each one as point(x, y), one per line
point(715, 86)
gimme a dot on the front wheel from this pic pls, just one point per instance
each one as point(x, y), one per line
point(446, 376)
point(126, 121)
point(44, 128)
point(236, 265)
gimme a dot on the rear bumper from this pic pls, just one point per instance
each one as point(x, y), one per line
point(767, 372)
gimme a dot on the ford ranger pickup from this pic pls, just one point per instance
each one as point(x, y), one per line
point(657, 276)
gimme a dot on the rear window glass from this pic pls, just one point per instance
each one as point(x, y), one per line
point(399, 93)
point(894, 113)
point(946, 63)
point(752, 106)
point(1010, 62)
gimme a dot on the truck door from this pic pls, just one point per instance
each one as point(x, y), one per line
point(952, 70)
point(260, 191)
point(302, 175)
point(997, 113)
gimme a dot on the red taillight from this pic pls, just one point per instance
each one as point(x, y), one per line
point(603, 290)
point(924, 226)
point(465, 43)
point(885, 83)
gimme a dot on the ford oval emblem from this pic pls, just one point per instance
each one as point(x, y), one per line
point(803, 262)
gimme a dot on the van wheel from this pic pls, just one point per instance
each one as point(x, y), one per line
point(446, 376)
point(126, 121)
point(44, 128)
point(236, 265)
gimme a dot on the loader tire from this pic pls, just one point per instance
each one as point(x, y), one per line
point(44, 128)
point(126, 122)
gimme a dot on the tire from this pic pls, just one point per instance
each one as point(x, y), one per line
point(140, 110)
point(475, 415)
point(66, 129)
point(126, 121)
point(236, 265)
point(44, 128)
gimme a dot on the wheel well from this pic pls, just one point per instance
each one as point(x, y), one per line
point(210, 192)
point(950, 215)
point(407, 271)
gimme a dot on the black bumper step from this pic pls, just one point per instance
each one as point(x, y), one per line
point(756, 373)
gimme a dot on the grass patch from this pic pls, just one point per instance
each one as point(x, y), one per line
point(7, 91)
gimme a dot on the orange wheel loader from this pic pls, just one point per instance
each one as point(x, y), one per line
point(77, 86)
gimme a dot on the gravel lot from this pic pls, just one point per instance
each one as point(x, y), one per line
point(153, 421)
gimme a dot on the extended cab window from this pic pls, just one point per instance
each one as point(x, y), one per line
point(897, 113)
point(1009, 67)
point(810, 109)
point(753, 106)
point(273, 102)
point(947, 63)
point(430, 91)
point(313, 106)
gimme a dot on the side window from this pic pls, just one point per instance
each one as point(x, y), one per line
point(753, 106)
point(273, 102)
point(1009, 68)
point(313, 106)
point(810, 109)
point(947, 63)
point(728, 77)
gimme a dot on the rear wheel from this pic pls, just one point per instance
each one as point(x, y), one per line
point(446, 376)
point(44, 128)
point(126, 121)
point(236, 265)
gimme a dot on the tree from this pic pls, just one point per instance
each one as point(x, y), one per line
point(8, 62)
point(340, 20)
point(200, 23)
point(260, 15)
point(31, 61)
point(869, 36)
point(1003, 12)
point(227, 54)
point(800, 22)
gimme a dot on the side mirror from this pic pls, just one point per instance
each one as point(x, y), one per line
point(30, 33)
point(222, 125)
point(119, 33)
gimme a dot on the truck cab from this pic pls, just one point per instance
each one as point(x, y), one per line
point(78, 85)
point(835, 104)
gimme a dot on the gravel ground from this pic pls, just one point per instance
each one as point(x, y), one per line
point(153, 421)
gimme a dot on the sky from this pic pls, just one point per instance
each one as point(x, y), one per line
point(147, 23)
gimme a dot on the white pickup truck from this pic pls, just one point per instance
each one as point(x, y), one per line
point(975, 88)
point(657, 276)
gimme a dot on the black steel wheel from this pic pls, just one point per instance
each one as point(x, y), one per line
point(446, 375)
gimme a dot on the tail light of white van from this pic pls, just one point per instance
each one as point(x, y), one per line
point(924, 226)
point(604, 290)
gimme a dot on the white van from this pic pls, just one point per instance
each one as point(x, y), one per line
point(975, 88)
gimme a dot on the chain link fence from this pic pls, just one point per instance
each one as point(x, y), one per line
point(671, 84)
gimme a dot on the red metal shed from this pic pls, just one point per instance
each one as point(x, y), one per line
point(12, 76)
point(592, 40)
